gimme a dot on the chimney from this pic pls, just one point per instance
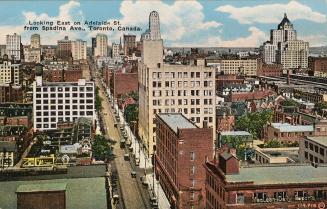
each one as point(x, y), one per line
point(288, 77)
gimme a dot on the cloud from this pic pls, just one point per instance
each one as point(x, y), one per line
point(315, 40)
point(176, 20)
point(255, 39)
point(272, 13)
point(69, 11)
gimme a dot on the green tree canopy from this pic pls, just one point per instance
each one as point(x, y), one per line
point(131, 113)
point(101, 149)
point(254, 122)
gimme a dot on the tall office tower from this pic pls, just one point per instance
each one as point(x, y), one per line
point(284, 48)
point(55, 102)
point(129, 44)
point(64, 48)
point(153, 32)
point(35, 41)
point(164, 88)
point(101, 48)
point(94, 44)
point(79, 50)
point(13, 46)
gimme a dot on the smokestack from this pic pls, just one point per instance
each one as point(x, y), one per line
point(288, 77)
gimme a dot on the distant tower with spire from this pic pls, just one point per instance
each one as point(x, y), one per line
point(153, 33)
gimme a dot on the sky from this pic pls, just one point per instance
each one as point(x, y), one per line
point(205, 23)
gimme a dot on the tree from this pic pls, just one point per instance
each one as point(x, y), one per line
point(319, 107)
point(237, 143)
point(98, 100)
point(131, 113)
point(289, 102)
point(101, 149)
point(254, 122)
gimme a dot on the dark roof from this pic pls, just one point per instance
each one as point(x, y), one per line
point(226, 155)
point(47, 187)
point(8, 146)
point(284, 21)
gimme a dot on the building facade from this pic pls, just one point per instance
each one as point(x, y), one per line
point(61, 102)
point(13, 46)
point(246, 67)
point(36, 41)
point(129, 44)
point(101, 48)
point(181, 150)
point(164, 88)
point(64, 49)
point(79, 50)
point(230, 186)
point(313, 149)
point(115, 51)
point(318, 65)
point(10, 72)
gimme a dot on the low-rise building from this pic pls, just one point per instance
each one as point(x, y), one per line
point(270, 70)
point(276, 155)
point(318, 65)
point(310, 95)
point(313, 149)
point(231, 186)
point(181, 149)
point(287, 133)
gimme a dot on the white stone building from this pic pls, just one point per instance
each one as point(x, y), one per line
point(13, 47)
point(79, 50)
point(101, 48)
point(10, 72)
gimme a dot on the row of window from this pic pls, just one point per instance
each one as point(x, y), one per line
point(59, 89)
point(67, 107)
point(66, 101)
point(159, 102)
point(181, 74)
point(67, 95)
point(158, 93)
point(314, 148)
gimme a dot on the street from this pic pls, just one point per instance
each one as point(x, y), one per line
point(132, 196)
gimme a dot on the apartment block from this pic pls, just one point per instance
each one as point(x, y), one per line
point(165, 88)
point(101, 48)
point(181, 150)
point(55, 102)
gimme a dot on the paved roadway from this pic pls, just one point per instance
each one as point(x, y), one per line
point(130, 190)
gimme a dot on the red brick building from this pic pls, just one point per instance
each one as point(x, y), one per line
point(270, 70)
point(64, 75)
point(229, 186)
point(10, 93)
point(223, 80)
point(180, 153)
point(318, 65)
point(124, 83)
point(255, 95)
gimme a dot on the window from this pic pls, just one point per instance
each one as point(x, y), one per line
point(321, 150)
point(192, 156)
point(260, 197)
point(240, 198)
point(306, 144)
point(301, 195)
point(280, 196)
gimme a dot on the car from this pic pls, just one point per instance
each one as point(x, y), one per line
point(126, 157)
point(133, 174)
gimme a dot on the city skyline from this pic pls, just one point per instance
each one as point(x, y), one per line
point(217, 24)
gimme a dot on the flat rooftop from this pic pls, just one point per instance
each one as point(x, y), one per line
point(176, 120)
point(286, 127)
point(296, 174)
point(50, 187)
point(235, 133)
point(85, 187)
point(82, 193)
point(319, 139)
point(292, 153)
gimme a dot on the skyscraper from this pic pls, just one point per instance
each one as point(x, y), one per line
point(13, 46)
point(284, 48)
point(79, 49)
point(64, 48)
point(101, 48)
point(153, 33)
point(35, 41)
point(129, 44)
